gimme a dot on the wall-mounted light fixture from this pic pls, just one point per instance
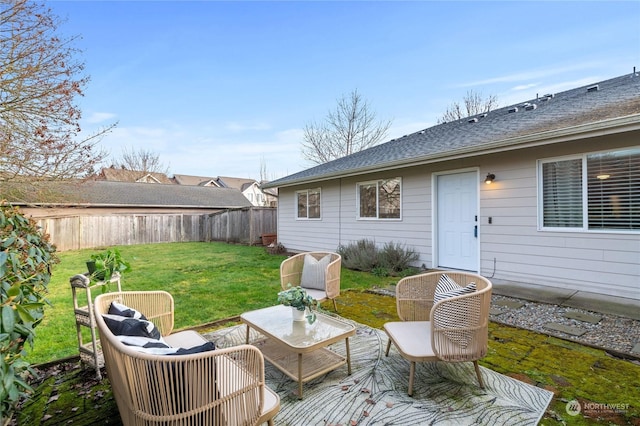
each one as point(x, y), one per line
point(490, 178)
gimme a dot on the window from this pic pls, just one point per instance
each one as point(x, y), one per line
point(308, 204)
point(598, 191)
point(379, 199)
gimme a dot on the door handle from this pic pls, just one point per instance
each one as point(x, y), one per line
point(475, 231)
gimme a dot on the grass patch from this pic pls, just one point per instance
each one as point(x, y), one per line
point(209, 282)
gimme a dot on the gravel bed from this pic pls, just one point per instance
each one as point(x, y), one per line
point(613, 333)
point(617, 335)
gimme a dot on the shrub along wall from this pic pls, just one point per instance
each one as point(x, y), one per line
point(245, 226)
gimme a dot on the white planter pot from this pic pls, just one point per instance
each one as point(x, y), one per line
point(298, 315)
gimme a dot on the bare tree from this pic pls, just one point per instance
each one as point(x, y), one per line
point(352, 127)
point(39, 80)
point(473, 103)
point(141, 160)
point(263, 170)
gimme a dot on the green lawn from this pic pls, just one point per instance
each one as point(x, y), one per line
point(212, 281)
point(209, 282)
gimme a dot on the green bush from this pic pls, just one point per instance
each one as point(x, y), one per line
point(26, 258)
point(393, 259)
point(359, 256)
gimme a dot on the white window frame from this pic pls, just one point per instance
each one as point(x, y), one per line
point(585, 195)
point(377, 183)
point(306, 192)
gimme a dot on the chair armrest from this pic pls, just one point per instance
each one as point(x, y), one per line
point(291, 271)
point(332, 276)
point(460, 326)
point(223, 386)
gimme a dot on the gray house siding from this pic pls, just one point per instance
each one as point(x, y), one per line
point(601, 262)
point(596, 251)
point(301, 234)
point(511, 247)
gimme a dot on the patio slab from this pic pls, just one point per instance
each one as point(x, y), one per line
point(511, 304)
point(497, 311)
point(581, 316)
point(567, 329)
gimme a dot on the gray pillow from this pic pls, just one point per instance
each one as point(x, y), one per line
point(313, 272)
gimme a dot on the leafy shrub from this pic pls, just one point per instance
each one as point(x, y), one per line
point(26, 258)
point(379, 271)
point(360, 256)
point(396, 257)
point(393, 259)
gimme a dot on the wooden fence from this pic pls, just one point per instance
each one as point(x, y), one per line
point(244, 226)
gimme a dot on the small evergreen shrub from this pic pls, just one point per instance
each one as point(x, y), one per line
point(392, 259)
point(360, 256)
point(396, 257)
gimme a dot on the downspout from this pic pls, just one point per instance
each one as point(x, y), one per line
point(340, 212)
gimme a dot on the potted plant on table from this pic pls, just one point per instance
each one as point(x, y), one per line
point(104, 265)
point(300, 302)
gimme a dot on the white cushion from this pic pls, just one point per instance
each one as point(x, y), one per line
point(313, 272)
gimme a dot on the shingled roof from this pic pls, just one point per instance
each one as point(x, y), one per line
point(128, 194)
point(605, 105)
point(124, 175)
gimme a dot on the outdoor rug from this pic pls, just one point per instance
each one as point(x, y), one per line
point(376, 391)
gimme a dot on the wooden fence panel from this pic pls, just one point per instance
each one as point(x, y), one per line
point(244, 226)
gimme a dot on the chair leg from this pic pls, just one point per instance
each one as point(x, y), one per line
point(335, 305)
point(270, 422)
point(477, 367)
point(412, 371)
point(388, 348)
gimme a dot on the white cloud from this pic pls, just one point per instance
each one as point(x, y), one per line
point(536, 74)
point(525, 86)
point(100, 117)
point(236, 127)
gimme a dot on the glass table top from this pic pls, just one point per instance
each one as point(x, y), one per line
point(277, 322)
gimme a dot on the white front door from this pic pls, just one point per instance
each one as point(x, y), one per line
point(457, 210)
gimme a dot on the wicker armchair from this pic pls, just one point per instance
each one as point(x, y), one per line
point(421, 335)
point(219, 387)
point(291, 271)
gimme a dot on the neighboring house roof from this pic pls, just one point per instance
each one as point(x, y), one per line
point(237, 183)
point(122, 194)
point(197, 180)
point(222, 181)
point(269, 191)
point(124, 175)
point(611, 104)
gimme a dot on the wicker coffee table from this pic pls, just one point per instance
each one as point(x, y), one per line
point(297, 348)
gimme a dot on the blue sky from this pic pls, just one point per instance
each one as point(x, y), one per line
point(219, 88)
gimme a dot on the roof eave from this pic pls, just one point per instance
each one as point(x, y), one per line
point(599, 128)
point(109, 205)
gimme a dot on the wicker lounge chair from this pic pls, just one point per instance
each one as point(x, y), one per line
point(291, 272)
point(453, 330)
point(218, 387)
